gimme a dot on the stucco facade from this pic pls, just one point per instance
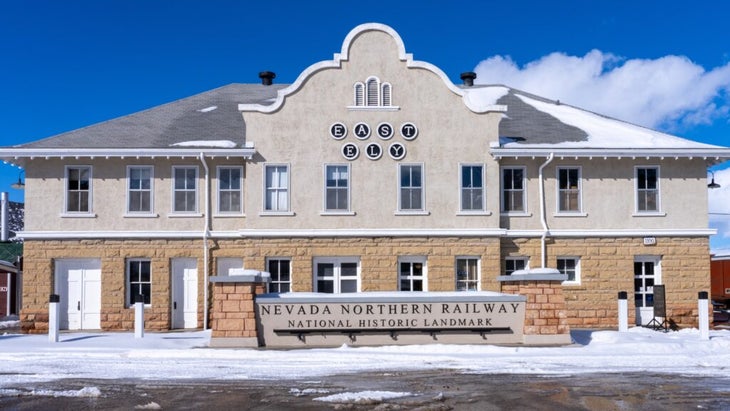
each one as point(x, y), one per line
point(297, 193)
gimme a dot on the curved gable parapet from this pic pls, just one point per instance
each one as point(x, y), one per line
point(344, 55)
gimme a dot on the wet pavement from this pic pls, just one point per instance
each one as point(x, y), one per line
point(432, 390)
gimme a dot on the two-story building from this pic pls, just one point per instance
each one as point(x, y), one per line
point(371, 172)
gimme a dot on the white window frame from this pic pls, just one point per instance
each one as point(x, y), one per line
point(336, 276)
point(221, 190)
point(577, 277)
point(504, 190)
point(185, 190)
point(657, 277)
point(286, 190)
point(481, 190)
point(129, 284)
point(150, 191)
point(422, 187)
point(386, 95)
point(275, 285)
point(559, 191)
point(369, 98)
point(337, 211)
point(358, 90)
point(466, 279)
point(637, 210)
point(410, 277)
point(67, 192)
point(225, 264)
point(508, 271)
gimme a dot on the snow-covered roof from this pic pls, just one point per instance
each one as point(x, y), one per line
point(534, 126)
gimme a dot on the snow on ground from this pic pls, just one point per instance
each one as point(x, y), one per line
point(180, 356)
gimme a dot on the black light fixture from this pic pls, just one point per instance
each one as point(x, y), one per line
point(713, 184)
point(20, 185)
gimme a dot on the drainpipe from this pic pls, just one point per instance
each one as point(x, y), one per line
point(206, 234)
point(543, 218)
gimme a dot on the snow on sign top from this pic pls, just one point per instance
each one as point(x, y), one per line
point(605, 132)
point(206, 143)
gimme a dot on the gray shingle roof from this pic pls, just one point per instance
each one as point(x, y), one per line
point(526, 124)
point(189, 119)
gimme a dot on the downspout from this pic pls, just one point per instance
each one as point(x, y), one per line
point(206, 234)
point(543, 217)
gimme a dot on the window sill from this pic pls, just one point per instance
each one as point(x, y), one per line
point(229, 215)
point(182, 215)
point(79, 215)
point(474, 213)
point(373, 108)
point(570, 215)
point(336, 213)
point(419, 212)
point(515, 214)
point(140, 215)
point(649, 214)
point(277, 214)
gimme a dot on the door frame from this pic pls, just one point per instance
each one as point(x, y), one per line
point(644, 314)
point(182, 318)
point(62, 266)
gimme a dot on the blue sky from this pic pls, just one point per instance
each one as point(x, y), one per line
point(70, 64)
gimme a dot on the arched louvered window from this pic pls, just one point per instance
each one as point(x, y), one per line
point(386, 94)
point(359, 94)
point(373, 91)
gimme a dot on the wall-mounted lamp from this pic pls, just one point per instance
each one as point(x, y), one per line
point(20, 185)
point(713, 184)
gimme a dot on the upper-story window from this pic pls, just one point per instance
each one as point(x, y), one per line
point(647, 189)
point(139, 186)
point(276, 187)
point(78, 189)
point(372, 93)
point(410, 187)
point(185, 189)
point(472, 187)
point(337, 187)
point(513, 189)
point(569, 187)
point(230, 194)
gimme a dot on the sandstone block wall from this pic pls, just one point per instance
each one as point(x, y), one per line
point(606, 268)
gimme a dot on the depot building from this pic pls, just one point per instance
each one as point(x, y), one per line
point(373, 172)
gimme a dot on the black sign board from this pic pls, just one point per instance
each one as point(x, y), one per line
point(660, 306)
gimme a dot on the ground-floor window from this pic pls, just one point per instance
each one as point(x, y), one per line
point(280, 270)
point(467, 274)
point(337, 275)
point(139, 280)
point(412, 274)
point(512, 264)
point(569, 266)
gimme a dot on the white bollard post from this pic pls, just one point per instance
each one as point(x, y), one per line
point(53, 318)
point(623, 312)
point(703, 308)
point(139, 316)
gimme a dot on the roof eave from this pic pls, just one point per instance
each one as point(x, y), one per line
point(32, 153)
point(710, 154)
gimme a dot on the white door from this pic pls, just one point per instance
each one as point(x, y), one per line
point(647, 273)
point(184, 293)
point(78, 284)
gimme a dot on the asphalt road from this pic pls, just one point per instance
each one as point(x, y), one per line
point(434, 390)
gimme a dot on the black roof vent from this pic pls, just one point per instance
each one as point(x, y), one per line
point(468, 78)
point(267, 77)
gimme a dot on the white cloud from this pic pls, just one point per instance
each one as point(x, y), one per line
point(670, 92)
